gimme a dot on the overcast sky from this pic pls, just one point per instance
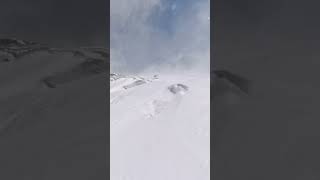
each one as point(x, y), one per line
point(58, 22)
point(146, 33)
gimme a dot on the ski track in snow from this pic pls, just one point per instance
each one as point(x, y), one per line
point(157, 134)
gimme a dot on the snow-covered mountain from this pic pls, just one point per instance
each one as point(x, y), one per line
point(53, 114)
point(26, 67)
point(52, 102)
point(160, 124)
point(160, 127)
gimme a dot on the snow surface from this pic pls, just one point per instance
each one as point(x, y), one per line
point(157, 133)
point(52, 133)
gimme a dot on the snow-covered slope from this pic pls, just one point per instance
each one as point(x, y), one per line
point(160, 127)
point(53, 114)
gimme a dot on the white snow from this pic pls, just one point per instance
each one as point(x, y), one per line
point(157, 134)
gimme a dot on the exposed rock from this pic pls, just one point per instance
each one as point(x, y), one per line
point(178, 88)
point(135, 83)
point(223, 81)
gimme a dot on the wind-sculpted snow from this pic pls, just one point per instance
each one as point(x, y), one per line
point(160, 128)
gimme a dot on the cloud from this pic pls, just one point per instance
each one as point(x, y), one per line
point(145, 34)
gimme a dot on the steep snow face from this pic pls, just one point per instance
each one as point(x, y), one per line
point(160, 127)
